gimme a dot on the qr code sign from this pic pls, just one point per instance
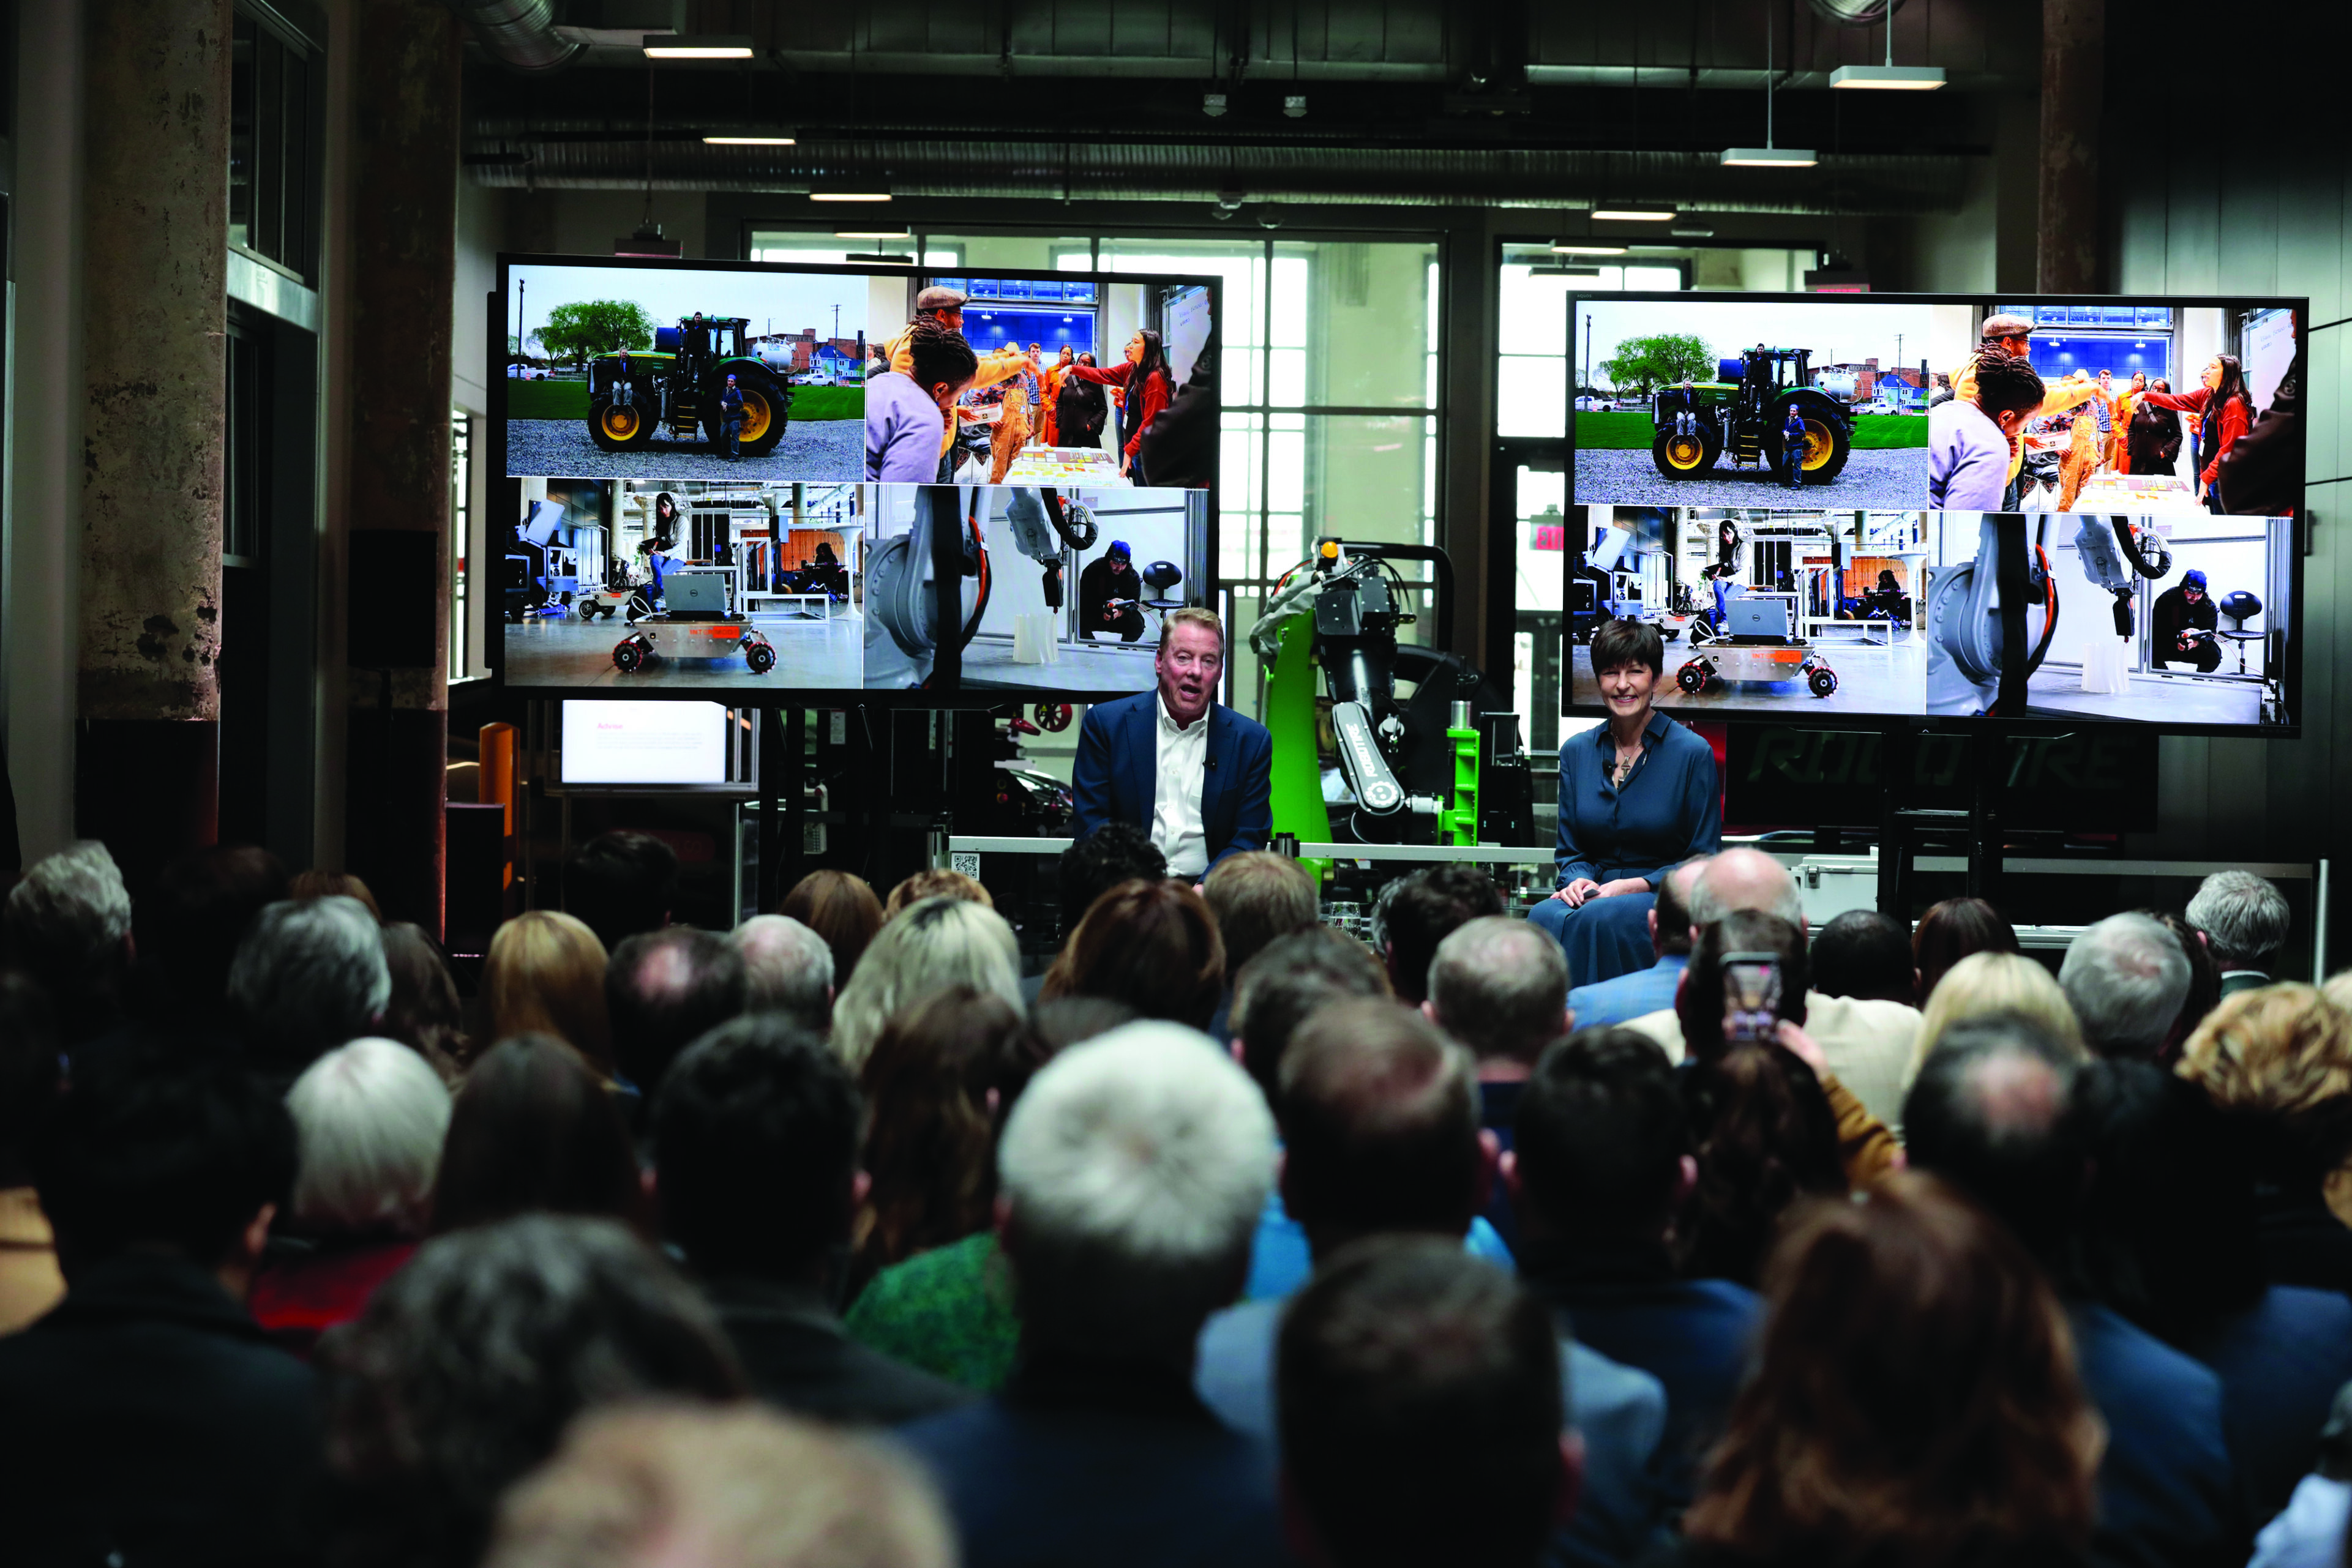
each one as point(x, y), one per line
point(966, 861)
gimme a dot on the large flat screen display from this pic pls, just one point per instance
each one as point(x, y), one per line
point(728, 479)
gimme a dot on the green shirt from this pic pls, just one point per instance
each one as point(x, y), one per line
point(948, 1310)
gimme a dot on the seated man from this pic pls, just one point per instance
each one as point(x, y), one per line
point(2126, 978)
point(2180, 613)
point(1646, 990)
point(1109, 596)
point(1133, 1168)
point(149, 1417)
point(2245, 922)
point(1175, 762)
point(1499, 987)
point(1416, 912)
point(1381, 1138)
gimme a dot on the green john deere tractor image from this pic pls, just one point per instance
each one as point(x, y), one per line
point(1744, 412)
point(678, 387)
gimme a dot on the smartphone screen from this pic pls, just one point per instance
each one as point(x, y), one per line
point(1752, 996)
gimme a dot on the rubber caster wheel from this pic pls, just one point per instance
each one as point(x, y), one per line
point(628, 658)
point(761, 657)
point(1691, 678)
point(1822, 681)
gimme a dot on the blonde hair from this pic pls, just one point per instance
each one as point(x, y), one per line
point(934, 884)
point(1190, 615)
point(1985, 983)
point(545, 975)
point(934, 943)
point(2284, 1050)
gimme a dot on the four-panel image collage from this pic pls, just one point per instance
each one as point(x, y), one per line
point(740, 480)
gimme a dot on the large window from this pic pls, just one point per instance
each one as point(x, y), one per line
point(273, 177)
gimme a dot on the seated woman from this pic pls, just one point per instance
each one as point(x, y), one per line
point(1638, 796)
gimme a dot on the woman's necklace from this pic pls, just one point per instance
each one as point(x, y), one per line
point(1626, 758)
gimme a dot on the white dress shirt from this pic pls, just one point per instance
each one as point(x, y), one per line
point(1176, 829)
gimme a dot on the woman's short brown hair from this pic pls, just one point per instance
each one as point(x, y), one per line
point(839, 906)
point(1915, 1398)
point(1151, 944)
point(1628, 641)
point(934, 884)
point(545, 975)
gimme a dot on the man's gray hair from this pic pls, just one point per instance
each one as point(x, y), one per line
point(2244, 918)
point(789, 970)
point(2126, 979)
point(368, 1119)
point(1500, 986)
point(1745, 879)
point(69, 908)
point(309, 976)
point(1135, 1166)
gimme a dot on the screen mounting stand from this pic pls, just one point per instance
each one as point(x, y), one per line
point(1901, 826)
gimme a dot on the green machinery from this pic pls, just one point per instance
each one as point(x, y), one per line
point(678, 387)
point(1746, 413)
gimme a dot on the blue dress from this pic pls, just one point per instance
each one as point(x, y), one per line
point(1670, 809)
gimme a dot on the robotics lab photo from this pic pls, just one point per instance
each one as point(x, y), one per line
point(1063, 590)
point(1788, 613)
point(2178, 620)
point(686, 585)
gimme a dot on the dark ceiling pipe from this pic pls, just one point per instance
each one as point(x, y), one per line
point(1858, 185)
point(519, 34)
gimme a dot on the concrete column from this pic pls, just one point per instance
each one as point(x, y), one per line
point(403, 237)
point(41, 622)
point(2073, 73)
point(155, 118)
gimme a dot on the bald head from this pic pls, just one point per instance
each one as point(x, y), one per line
point(1745, 879)
point(1500, 986)
point(1993, 1112)
point(788, 969)
point(664, 989)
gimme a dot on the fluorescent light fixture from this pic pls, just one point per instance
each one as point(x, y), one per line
point(873, 233)
point(1769, 158)
point(1630, 215)
point(1560, 248)
point(1889, 79)
point(849, 195)
point(684, 46)
point(749, 142)
point(1692, 234)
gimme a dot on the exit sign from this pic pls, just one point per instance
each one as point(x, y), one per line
point(1548, 535)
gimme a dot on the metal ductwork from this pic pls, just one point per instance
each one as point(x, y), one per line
point(519, 34)
point(1862, 185)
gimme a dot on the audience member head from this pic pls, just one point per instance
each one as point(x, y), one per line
point(1416, 913)
point(1113, 853)
point(1601, 1149)
point(1861, 953)
point(187, 923)
point(1500, 986)
point(1915, 1397)
point(545, 975)
point(370, 1119)
point(946, 1072)
point(425, 1013)
point(666, 990)
point(621, 883)
point(2171, 1234)
point(2244, 918)
point(1379, 1113)
point(309, 977)
point(934, 884)
point(467, 1366)
point(1745, 879)
point(1955, 929)
point(2280, 1058)
point(656, 1486)
point(1994, 1111)
point(317, 884)
point(2126, 979)
point(1763, 1137)
point(787, 969)
point(938, 943)
point(1997, 982)
point(193, 1160)
point(839, 906)
point(534, 1129)
point(1067, 1020)
point(755, 1151)
point(30, 1072)
point(1701, 1000)
point(2204, 974)
point(67, 923)
point(1151, 944)
point(1134, 1171)
point(1284, 985)
point(1670, 917)
point(1410, 1377)
point(1257, 896)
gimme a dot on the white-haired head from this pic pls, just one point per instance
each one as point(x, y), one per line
point(1745, 879)
point(789, 967)
point(369, 1121)
point(2244, 918)
point(67, 918)
point(2126, 979)
point(1134, 1166)
point(937, 943)
point(309, 977)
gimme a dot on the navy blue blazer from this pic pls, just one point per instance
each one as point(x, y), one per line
point(1117, 776)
